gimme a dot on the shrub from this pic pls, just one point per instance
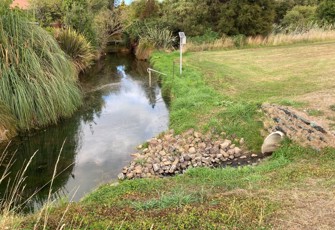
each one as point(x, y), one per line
point(38, 83)
point(144, 49)
point(150, 36)
point(47, 11)
point(160, 38)
point(299, 16)
point(326, 11)
point(77, 47)
point(208, 36)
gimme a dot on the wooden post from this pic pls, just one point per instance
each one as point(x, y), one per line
point(149, 78)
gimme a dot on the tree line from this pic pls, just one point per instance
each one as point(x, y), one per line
point(232, 17)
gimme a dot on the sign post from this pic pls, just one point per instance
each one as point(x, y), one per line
point(182, 42)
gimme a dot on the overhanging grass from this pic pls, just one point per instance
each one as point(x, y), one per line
point(38, 82)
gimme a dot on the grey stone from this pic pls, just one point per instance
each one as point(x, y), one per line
point(225, 154)
point(172, 169)
point(192, 150)
point(130, 175)
point(121, 176)
point(231, 152)
point(138, 170)
point(181, 159)
point(241, 141)
point(155, 167)
point(237, 150)
point(225, 144)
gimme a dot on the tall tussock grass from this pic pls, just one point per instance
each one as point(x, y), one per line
point(77, 47)
point(283, 37)
point(38, 83)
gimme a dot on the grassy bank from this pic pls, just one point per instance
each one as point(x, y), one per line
point(222, 91)
point(274, 194)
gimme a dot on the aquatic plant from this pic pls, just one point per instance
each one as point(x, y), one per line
point(38, 82)
point(77, 47)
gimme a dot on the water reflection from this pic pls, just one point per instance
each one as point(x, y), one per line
point(120, 111)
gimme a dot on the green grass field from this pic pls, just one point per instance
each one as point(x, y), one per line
point(270, 73)
point(222, 91)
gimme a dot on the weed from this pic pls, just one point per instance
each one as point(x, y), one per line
point(176, 198)
point(332, 107)
point(140, 161)
point(288, 102)
point(315, 112)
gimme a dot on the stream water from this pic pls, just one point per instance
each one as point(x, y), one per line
point(120, 111)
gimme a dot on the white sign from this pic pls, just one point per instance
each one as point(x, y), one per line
point(182, 37)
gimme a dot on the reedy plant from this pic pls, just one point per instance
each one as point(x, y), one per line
point(160, 38)
point(77, 47)
point(38, 83)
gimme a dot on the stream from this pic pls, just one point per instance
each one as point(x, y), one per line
point(120, 111)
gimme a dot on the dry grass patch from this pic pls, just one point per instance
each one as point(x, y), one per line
point(310, 35)
point(311, 208)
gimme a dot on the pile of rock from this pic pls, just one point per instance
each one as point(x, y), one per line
point(172, 154)
point(297, 126)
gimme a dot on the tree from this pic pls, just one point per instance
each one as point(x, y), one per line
point(194, 17)
point(299, 16)
point(247, 17)
point(326, 11)
point(281, 8)
point(47, 11)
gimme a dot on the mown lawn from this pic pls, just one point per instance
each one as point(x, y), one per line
point(223, 91)
point(268, 74)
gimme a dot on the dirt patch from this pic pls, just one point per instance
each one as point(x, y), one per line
point(306, 210)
